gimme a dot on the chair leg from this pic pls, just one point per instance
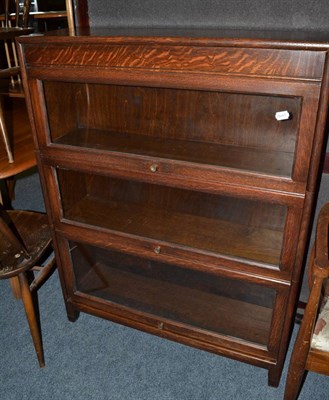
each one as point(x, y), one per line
point(4, 195)
point(295, 379)
point(31, 317)
point(297, 366)
point(15, 287)
point(11, 182)
point(4, 135)
point(44, 274)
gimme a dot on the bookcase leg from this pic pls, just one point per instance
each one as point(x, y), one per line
point(72, 313)
point(274, 375)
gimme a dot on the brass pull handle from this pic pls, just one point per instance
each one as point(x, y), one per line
point(154, 168)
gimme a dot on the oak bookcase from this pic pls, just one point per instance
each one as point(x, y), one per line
point(179, 170)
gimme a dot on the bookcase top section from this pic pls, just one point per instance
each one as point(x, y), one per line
point(191, 36)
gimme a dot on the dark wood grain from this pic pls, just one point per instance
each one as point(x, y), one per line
point(318, 361)
point(206, 234)
point(209, 127)
point(229, 156)
point(178, 301)
point(305, 355)
point(81, 14)
point(266, 63)
point(215, 117)
point(21, 139)
point(25, 246)
point(241, 229)
point(165, 147)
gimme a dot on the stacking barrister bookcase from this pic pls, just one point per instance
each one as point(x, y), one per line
point(179, 172)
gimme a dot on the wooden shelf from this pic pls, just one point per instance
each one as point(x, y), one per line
point(200, 126)
point(157, 294)
point(228, 156)
point(214, 235)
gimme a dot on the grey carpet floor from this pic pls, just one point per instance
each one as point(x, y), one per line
point(94, 359)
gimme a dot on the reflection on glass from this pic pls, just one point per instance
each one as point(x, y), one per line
point(230, 130)
point(240, 228)
point(221, 305)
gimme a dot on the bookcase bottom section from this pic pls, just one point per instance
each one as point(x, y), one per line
point(197, 300)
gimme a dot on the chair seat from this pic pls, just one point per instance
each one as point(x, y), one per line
point(13, 32)
point(21, 141)
point(320, 338)
point(32, 228)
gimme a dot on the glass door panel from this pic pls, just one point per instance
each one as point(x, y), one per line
point(224, 306)
point(255, 133)
point(240, 228)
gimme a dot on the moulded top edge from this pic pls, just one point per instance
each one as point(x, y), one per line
point(307, 40)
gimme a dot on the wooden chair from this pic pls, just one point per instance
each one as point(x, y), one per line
point(311, 349)
point(23, 149)
point(77, 14)
point(16, 144)
point(25, 242)
point(10, 72)
point(70, 15)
